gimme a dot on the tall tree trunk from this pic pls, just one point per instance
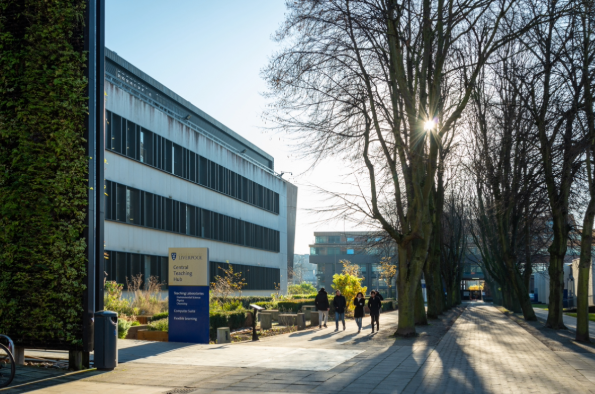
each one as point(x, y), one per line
point(496, 294)
point(556, 274)
point(406, 290)
point(522, 295)
point(432, 312)
point(420, 308)
point(584, 270)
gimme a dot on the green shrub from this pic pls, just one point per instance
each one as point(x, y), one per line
point(388, 305)
point(114, 302)
point(293, 306)
point(135, 323)
point(302, 288)
point(123, 327)
point(159, 325)
point(245, 300)
point(303, 296)
point(233, 320)
point(232, 306)
point(161, 315)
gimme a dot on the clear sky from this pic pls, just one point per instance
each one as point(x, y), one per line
point(211, 53)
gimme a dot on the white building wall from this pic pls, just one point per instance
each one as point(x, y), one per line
point(128, 238)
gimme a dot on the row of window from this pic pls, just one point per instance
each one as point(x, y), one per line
point(129, 205)
point(140, 144)
point(336, 239)
point(326, 251)
point(257, 278)
point(122, 266)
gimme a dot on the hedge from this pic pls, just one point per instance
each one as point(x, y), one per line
point(245, 300)
point(304, 296)
point(159, 316)
point(233, 320)
point(294, 305)
point(43, 171)
point(389, 305)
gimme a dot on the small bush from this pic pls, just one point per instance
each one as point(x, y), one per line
point(302, 288)
point(232, 306)
point(114, 301)
point(161, 315)
point(123, 327)
point(159, 325)
point(349, 285)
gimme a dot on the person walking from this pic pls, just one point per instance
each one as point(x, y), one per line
point(340, 303)
point(374, 304)
point(359, 312)
point(322, 306)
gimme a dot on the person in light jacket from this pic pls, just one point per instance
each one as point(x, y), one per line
point(374, 304)
point(322, 306)
point(340, 304)
point(360, 303)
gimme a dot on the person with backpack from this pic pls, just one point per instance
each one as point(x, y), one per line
point(358, 313)
point(374, 304)
point(322, 306)
point(340, 304)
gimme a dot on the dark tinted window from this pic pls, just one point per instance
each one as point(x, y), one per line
point(147, 147)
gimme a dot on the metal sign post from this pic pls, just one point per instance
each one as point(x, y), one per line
point(94, 34)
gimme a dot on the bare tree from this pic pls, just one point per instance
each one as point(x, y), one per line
point(381, 83)
point(552, 97)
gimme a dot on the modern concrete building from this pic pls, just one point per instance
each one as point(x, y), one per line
point(176, 177)
point(359, 247)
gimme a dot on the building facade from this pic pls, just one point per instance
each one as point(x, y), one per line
point(365, 249)
point(176, 177)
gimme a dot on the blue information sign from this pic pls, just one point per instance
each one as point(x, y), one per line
point(189, 314)
point(188, 295)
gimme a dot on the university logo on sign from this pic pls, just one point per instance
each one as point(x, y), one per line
point(173, 256)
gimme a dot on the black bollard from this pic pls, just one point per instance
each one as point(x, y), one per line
point(255, 308)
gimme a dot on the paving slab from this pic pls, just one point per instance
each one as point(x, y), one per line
point(303, 359)
point(569, 321)
point(484, 351)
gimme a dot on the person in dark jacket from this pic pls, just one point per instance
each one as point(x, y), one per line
point(374, 304)
point(340, 304)
point(322, 306)
point(359, 312)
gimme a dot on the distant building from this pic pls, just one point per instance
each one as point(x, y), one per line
point(363, 248)
point(303, 270)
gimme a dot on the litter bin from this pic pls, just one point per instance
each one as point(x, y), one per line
point(106, 340)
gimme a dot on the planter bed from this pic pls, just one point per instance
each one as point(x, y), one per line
point(157, 336)
point(133, 331)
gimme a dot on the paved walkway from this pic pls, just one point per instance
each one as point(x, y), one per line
point(484, 351)
point(569, 321)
